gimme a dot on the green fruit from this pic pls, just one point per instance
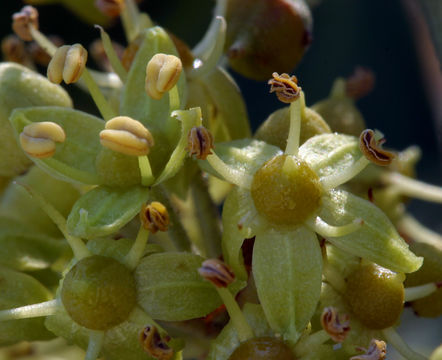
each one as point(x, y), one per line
point(99, 292)
point(263, 348)
point(375, 296)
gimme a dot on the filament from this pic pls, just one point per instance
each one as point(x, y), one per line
point(231, 175)
point(340, 177)
point(30, 311)
point(137, 250)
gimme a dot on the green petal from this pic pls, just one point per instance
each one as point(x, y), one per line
point(154, 114)
point(18, 289)
point(227, 341)
point(287, 267)
point(328, 154)
point(74, 160)
point(246, 155)
point(104, 210)
point(377, 240)
point(236, 207)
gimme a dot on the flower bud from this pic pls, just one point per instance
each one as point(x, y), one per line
point(38, 139)
point(217, 272)
point(155, 217)
point(27, 16)
point(152, 343)
point(127, 136)
point(111, 8)
point(162, 73)
point(199, 142)
point(67, 64)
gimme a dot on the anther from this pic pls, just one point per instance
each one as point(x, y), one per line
point(376, 351)
point(162, 74)
point(371, 148)
point(337, 326)
point(154, 345)
point(22, 20)
point(199, 142)
point(360, 83)
point(126, 135)
point(68, 64)
point(217, 272)
point(154, 217)
point(111, 8)
point(285, 86)
point(38, 139)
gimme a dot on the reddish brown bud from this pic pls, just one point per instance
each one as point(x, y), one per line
point(285, 86)
point(371, 148)
point(337, 326)
point(22, 20)
point(217, 272)
point(199, 142)
point(155, 217)
point(152, 343)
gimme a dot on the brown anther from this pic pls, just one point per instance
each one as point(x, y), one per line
point(337, 326)
point(217, 272)
point(377, 350)
point(111, 8)
point(360, 83)
point(285, 86)
point(22, 20)
point(371, 148)
point(13, 49)
point(199, 142)
point(39, 55)
point(154, 217)
point(154, 345)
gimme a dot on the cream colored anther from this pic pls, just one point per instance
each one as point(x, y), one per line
point(162, 74)
point(126, 135)
point(67, 64)
point(38, 139)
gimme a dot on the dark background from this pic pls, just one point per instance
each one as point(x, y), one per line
point(373, 33)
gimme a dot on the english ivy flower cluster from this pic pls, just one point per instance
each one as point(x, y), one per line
point(110, 234)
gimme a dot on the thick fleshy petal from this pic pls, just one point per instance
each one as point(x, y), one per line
point(377, 240)
point(288, 269)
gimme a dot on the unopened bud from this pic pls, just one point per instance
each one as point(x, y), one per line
point(38, 139)
point(127, 136)
point(285, 86)
point(22, 20)
point(67, 64)
point(111, 8)
point(162, 73)
point(217, 272)
point(152, 343)
point(13, 49)
point(199, 142)
point(371, 148)
point(337, 326)
point(154, 217)
point(376, 351)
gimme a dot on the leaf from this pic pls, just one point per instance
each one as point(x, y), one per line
point(18, 289)
point(104, 210)
point(74, 159)
point(170, 288)
point(377, 240)
point(328, 154)
point(246, 155)
point(287, 267)
point(154, 114)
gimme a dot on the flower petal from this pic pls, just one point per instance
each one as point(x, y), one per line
point(377, 240)
point(287, 267)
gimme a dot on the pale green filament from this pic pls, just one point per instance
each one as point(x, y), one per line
point(295, 126)
point(43, 41)
point(231, 175)
point(115, 62)
point(30, 311)
point(413, 228)
point(340, 177)
point(322, 228)
point(96, 339)
point(174, 99)
point(239, 321)
point(147, 177)
point(413, 188)
point(418, 292)
point(399, 344)
point(136, 252)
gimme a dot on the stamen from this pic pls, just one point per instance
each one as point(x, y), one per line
point(77, 245)
point(154, 217)
point(234, 176)
point(340, 177)
point(400, 345)
point(413, 188)
point(285, 86)
point(137, 250)
point(38, 139)
point(199, 142)
point(376, 351)
point(337, 326)
point(371, 148)
point(220, 275)
point(96, 339)
point(418, 292)
point(295, 126)
point(147, 177)
point(31, 311)
point(414, 229)
point(154, 345)
point(326, 230)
